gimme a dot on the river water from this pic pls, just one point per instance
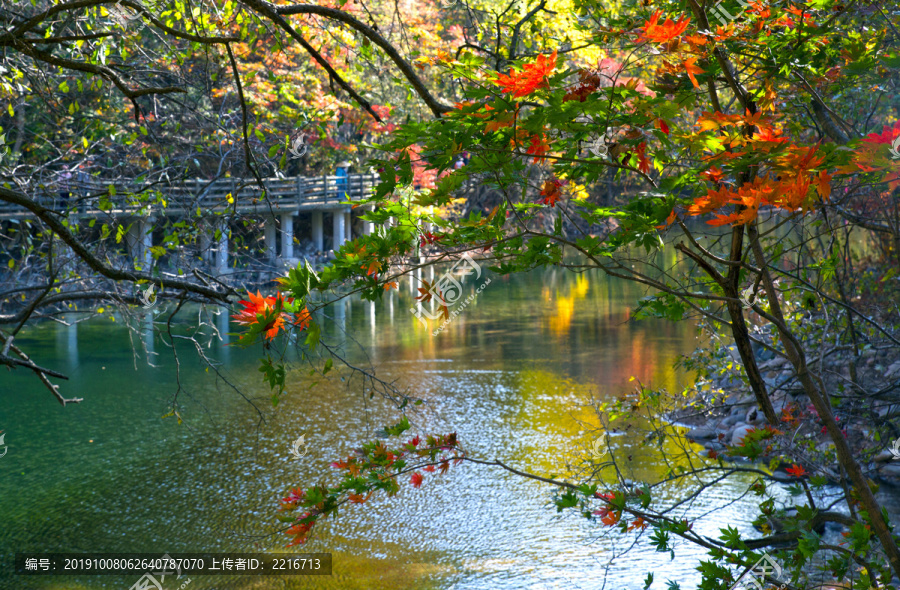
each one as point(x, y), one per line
point(513, 374)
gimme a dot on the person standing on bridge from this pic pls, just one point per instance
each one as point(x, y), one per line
point(64, 178)
point(343, 184)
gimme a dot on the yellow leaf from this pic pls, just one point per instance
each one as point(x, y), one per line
point(100, 310)
point(229, 198)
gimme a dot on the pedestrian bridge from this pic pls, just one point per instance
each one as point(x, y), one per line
point(140, 207)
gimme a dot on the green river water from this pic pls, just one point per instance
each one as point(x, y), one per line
point(511, 374)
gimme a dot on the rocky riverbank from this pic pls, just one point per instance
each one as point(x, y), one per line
point(724, 411)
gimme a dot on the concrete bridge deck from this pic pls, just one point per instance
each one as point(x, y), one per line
point(205, 201)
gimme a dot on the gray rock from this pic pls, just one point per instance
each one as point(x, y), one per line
point(754, 416)
point(883, 457)
point(893, 370)
point(740, 400)
point(731, 420)
point(779, 475)
point(890, 472)
point(825, 447)
point(701, 433)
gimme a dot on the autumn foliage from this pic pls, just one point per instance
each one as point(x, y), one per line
point(267, 316)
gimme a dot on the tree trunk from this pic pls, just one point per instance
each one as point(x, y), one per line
point(798, 359)
point(739, 329)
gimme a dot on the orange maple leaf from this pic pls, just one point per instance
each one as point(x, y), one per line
point(425, 292)
point(669, 220)
point(532, 76)
point(823, 185)
point(611, 518)
point(692, 69)
point(696, 41)
point(714, 174)
point(637, 523)
point(653, 31)
point(358, 498)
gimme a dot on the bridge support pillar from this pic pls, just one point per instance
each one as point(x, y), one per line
point(287, 236)
point(204, 245)
point(368, 226)
point(139, 240)
point(348, 225)
point(271, 230)
point(221, 246)
point(317, 231)
point(340, 232)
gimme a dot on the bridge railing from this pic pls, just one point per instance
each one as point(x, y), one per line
point(284, 193)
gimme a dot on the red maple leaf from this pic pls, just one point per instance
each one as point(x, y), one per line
point(538, 147)
point(427, 238)
point(643, 162)
point(796, 470)
point(661, 33)
point(265, 306)
point(416, 479)
point(551, 191)
point(887, 135)
point(530, 78)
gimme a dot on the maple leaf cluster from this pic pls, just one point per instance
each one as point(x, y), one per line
point(530, 78)
point(370, 468)
point(662, 33)
point(266, 313)
point(791, 182)
point(588, 82)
